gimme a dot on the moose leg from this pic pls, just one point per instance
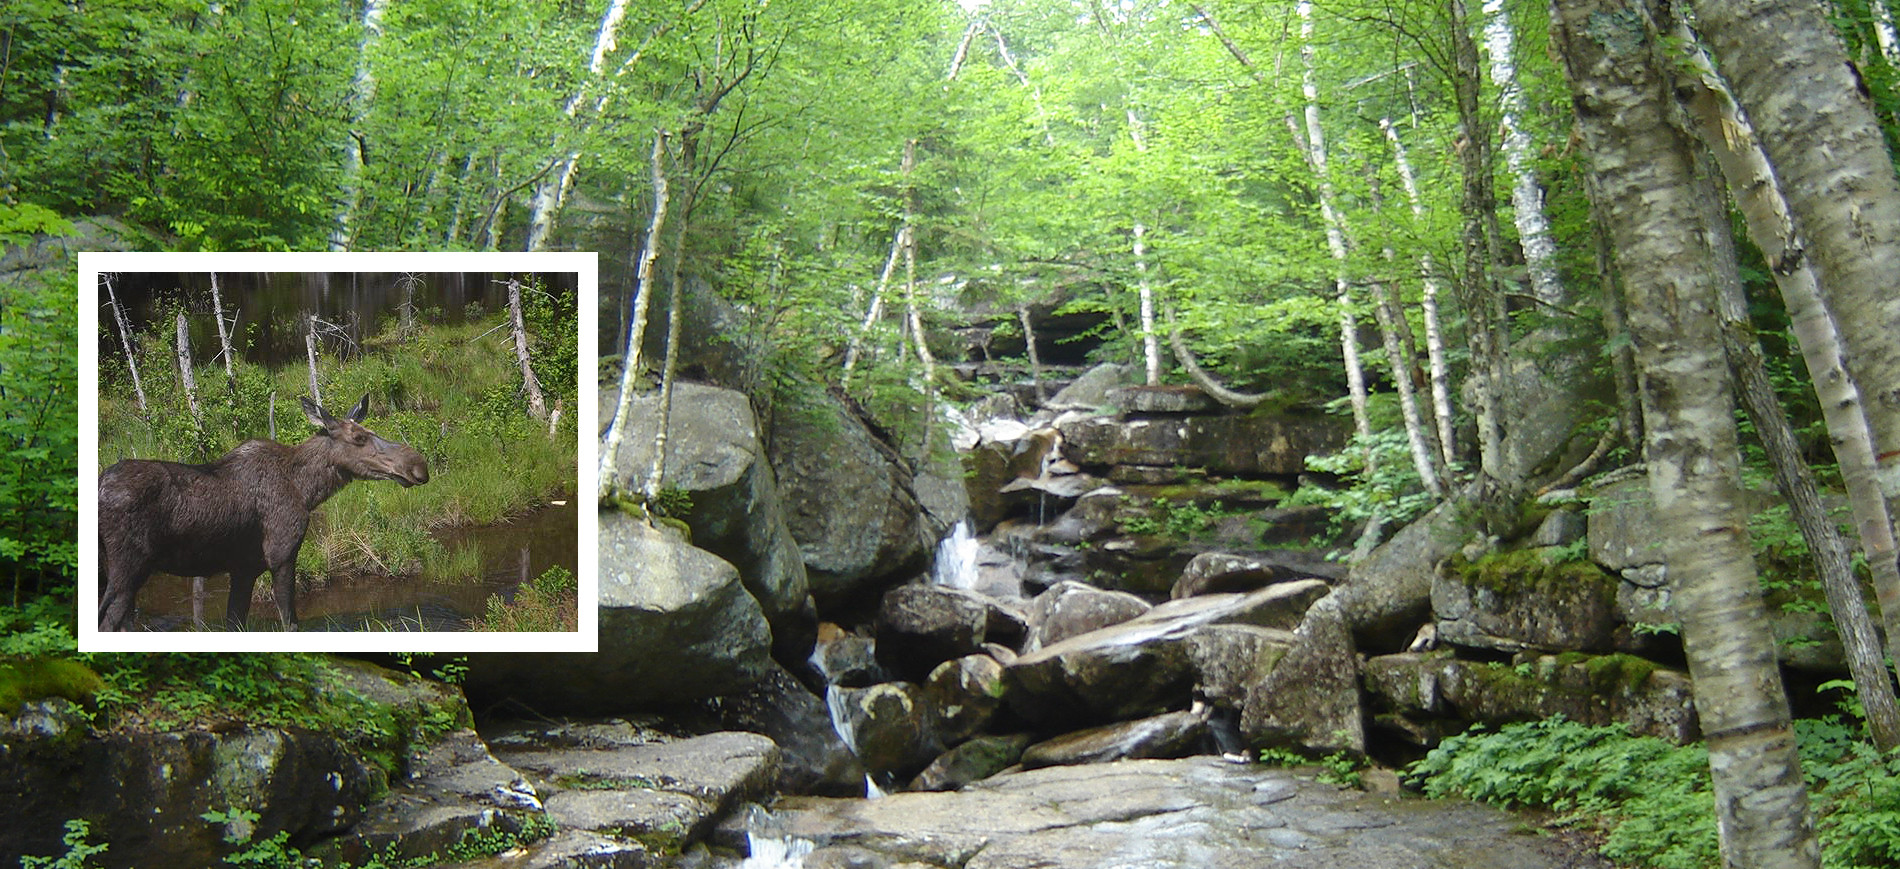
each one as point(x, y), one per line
point(242, 582)
point(118, 599)
point(283, 584)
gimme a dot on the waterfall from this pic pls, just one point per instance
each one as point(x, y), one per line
point(834, 704)
point(769, 845)
point(956, 558)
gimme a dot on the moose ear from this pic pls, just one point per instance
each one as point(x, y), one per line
point(314, 412)
point(361, 409)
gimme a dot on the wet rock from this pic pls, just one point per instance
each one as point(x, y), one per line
point(675, 625)
point(1222, 572)
point(893, 727)
point(849, 499)
point(813, 759)
point(1175, 734)
point(1389, 594)
point(848, 659)
point(714, 455)
point(1139, 667)
point(921, 626)
point(966, 694)
point(148, 791)
point(1092, 390)
point(454, 789)
point(1162, 400)
point(1223, 445)
point(663, 794)
point(972, 761)
point(991, 466)
point(1194, 813)
point(1591, 689)
point(1228, 660)
point(1309, 698)
point(1069, 609)
point(1519, 600)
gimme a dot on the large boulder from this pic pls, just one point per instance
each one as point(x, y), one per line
point(965, 694)
point(1251, 445)
point(849, 499)
point(453, 789)
point(1310, 696)
point(1140, 667)
point(715, 455)
point(892, 726)
point(1174, 734)
point(715, 337)
point(921, 626)
point(1389, 594)
point(1069, 609)
point(1592, 689)
point(1524, 599)
point(813, 758)
point(970, 762)
point(675, 624)
point(1093, 390)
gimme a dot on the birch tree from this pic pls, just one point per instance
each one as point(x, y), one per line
point(362, 95)
point(1438, 372)
point(1527, 195)
point(1804, 97)
point(608, 487)
point(1641, 161)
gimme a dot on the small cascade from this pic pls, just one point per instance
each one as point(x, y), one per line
point(769, 846)
point(834, 706)
point(956, 558)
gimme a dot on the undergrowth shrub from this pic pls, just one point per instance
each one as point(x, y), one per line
point(1653, 800)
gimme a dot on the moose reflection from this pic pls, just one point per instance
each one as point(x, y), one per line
point(242, 514)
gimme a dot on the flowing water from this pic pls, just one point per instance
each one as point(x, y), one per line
point(956, 558)
point(510, 554)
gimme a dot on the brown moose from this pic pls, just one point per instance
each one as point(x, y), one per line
point(242, 514)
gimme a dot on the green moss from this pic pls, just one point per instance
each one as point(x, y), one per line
point(1618, 673)
point(33, 679)
point(1520, 571)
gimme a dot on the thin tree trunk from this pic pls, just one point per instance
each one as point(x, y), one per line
point(537, 404)
point(1144, 290)
point(1478, 209)
point(1796, 481)
point(1335, 238)
point(963, 47)
point(1726, 129)
point(552, 191)
point(636, 332)
point(1206, 381)
point(1029, 346)
point(224, 334)
point(125, 341)
point(310, 353)
point(363, 93)
point(876, 311)
point(1817, 126)
point(1035, 92)
point(1402, 358)
point(669, 369)
point(185, 377)
point(1439, 373)
point(1644, 171)
point(1527, 196)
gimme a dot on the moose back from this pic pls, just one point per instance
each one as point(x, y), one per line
point(242, 514)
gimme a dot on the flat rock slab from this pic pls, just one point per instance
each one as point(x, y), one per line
point(1161, 814)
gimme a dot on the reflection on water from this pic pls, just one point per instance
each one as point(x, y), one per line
point(511, 553)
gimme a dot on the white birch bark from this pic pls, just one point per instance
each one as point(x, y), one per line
point(1144, 290)
point(537, 405)
point(224, 334)
point(1438, 371)
point(1527, 196)
point(1725, 128)
point(362, 95)
point(185, 377)
point(1335, 237)
point(125, 340)
point(636, 332)
point(1792, 76)
point(1885, 32)
point(1035, 90)
point(876, 311)
point(1641, 159)
point(310, 354)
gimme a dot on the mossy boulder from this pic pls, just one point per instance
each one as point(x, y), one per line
point(1525, 599)
point(1592, 689)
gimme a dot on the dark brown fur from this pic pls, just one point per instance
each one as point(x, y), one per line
point(242, 514)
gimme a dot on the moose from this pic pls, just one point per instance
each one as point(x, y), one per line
point(242, 514)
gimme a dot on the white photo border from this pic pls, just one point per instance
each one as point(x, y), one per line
point(91, 639)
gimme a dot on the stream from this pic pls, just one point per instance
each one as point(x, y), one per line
point(511, 552)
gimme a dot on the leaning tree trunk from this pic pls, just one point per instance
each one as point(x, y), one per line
point(1818, 128)
point(310, 354)
point(1029, 347)
point(1478, 210)
point(1797, 485)
point(551, 192)
point(1646, 177)
point(1725, 128)
point(537, 404)
point(1527, 196)
point(125, 341)
point(636, 333)
point(1434, 336)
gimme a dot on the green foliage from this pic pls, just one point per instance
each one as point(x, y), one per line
point(1654, 799)
point(549, 602)
point(1392, 492)
point(79, 851)
point(1171, 518)
point(276, 852)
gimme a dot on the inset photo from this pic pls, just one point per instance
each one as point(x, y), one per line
point(336, 452)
